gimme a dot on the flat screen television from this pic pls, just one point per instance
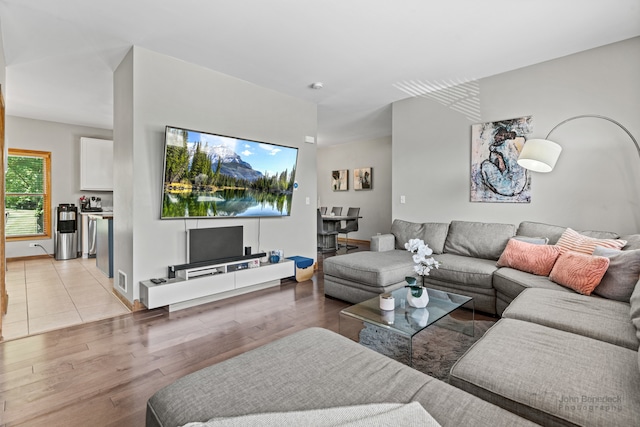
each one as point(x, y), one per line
point(215, 176)
point(207, 244)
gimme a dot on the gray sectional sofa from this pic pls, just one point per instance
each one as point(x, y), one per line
point(313, 370)
point(556, 357)
point(468, 252)
point(559, 358)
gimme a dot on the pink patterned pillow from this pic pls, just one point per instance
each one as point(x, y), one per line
point(578, 271)
point(529, 257)
point(571, 240)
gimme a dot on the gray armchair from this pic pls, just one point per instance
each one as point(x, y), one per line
point(337, 210)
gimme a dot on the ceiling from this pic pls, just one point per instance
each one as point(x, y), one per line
point(61, 54)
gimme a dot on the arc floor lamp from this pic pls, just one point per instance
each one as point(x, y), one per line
point(541, 155)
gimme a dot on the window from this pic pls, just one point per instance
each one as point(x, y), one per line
point(28, 195)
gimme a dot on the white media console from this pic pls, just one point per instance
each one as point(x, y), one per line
point(202, 284)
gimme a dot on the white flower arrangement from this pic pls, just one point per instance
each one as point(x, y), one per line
point(422, 257)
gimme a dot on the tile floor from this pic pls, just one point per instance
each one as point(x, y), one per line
point(46, 294)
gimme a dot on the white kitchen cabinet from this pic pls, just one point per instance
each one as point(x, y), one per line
point(96, 164)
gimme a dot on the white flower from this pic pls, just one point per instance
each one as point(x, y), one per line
point(425, 251)
point(413, 244)
point(421, 256)
point(417, 258)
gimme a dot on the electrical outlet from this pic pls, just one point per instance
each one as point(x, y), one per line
point(402, 199)
point(33, 245)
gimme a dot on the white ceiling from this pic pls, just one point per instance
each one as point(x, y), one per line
point(61, 54)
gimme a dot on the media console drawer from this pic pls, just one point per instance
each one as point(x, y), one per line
point(265, 273)
point(206, 288)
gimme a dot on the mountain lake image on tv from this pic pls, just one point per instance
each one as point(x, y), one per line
point(208, 175)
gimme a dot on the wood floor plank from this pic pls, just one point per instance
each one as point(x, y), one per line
point(102, 373)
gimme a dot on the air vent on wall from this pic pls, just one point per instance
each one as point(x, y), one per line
point(122, 280)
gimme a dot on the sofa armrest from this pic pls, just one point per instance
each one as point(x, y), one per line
point(383, 243)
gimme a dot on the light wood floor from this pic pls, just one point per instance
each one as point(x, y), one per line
point(102, 373)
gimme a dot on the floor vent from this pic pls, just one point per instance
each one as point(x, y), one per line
point(122, 280)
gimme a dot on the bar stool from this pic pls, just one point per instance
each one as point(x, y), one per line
point(351, 225)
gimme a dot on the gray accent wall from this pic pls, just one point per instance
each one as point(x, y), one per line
point(152, 91)
point(63, 141)
point(596, 182)
point(374, 204)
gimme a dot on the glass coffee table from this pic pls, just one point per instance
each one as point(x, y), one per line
point(391, 332)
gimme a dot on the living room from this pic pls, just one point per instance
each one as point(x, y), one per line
point(425, 159)
point(554, 90)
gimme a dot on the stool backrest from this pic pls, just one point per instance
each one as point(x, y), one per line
point(352, 224)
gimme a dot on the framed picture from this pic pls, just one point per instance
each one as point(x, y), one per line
point(495, 174)
point(340, 180)
point(362, 179)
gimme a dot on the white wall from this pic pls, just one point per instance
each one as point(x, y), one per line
point(596, 182)
point(123, 175)
point(374, 204)
point(156, 91)
point(63, 141)
point(3, 67)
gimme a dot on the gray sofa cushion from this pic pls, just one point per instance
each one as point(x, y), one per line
point(510, 282)
point(350, 291)
point(532, 240)
point(539, 229)
point(635, 308)
point(345, 416)
point(374, 269)
point(463, 412)
point(432, 233)
point(596, 318)
point(633, 242)
point(600, 234)
point(478, 239)
point(464, 270)
point(621, 276)
point(553, 232)
point(635, 313)
point(313, 369)
point(543, 373)
point(405, 230)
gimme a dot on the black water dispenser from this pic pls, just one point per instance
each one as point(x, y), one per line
point(66, 232)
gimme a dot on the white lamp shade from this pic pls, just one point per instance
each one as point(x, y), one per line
point(539, 155)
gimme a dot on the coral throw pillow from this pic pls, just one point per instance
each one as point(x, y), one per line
point(571, 240)
point(578, 271)
point(529, 257)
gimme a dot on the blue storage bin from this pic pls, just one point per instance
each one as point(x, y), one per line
point(303, 268)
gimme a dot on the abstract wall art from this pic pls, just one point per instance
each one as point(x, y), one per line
point(340, 180)
point(362, 179)
point(495, 173)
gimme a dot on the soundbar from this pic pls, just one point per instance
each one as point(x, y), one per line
point(171, 270)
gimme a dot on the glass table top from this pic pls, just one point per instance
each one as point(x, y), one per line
point(405, 319)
